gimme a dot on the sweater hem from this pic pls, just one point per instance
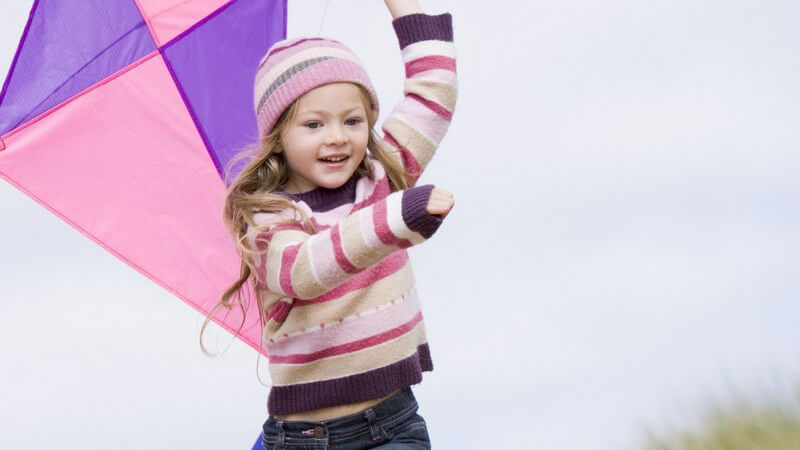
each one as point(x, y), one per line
point(284, 400)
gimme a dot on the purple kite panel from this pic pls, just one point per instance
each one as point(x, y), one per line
point(67, 46)
point(214, 63)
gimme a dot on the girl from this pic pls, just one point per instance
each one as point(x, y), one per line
point(322, 215)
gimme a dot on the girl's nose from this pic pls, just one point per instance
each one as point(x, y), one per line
point(336, 135)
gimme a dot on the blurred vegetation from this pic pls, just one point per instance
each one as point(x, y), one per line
point(741, 424)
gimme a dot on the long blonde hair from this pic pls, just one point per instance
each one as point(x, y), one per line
point(252, 191)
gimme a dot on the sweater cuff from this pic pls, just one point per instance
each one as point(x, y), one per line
point(423, 27)
point(415, 211)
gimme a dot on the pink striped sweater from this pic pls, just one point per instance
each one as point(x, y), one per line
point(344, 320)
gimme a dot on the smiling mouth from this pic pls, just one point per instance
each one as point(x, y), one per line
point(334, 159)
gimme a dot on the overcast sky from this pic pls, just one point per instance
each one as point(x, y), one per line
point(624, 243)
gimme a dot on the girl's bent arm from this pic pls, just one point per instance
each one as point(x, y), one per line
point(301, 265)
point(416, 125)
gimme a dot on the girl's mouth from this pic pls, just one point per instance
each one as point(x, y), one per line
point(334, 161)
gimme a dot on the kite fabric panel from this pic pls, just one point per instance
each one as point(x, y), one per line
point(119, 117)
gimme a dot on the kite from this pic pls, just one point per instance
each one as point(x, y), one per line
point(120, 116)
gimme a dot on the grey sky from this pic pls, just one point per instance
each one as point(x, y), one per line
point(624, 242)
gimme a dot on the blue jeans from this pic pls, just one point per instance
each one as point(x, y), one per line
point(391, 424)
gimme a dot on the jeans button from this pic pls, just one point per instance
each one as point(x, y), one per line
point(318, 431)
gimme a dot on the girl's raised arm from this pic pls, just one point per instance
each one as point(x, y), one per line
point(417, 124)
point(399, 8)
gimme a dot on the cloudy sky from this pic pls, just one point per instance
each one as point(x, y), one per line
point(623, 247)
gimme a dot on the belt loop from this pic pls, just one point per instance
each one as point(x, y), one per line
point(376, 431)
point(281, 436)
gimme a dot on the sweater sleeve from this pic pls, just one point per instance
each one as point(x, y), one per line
point(417, 124)
point(302, 265)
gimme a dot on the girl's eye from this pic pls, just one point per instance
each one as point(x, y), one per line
point(354, 121)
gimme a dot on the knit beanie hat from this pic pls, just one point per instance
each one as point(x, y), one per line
point(292, 67)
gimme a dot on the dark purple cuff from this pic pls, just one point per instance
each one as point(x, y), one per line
point(415, 211)
point(423, 27)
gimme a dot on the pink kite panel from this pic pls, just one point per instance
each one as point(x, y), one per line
point(138, 178)
point(169, 18)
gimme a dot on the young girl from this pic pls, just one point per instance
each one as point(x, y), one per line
point(323, 214)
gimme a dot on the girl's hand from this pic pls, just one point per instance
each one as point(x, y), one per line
point(440, 202)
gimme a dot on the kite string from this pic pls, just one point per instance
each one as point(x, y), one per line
point(323, 17)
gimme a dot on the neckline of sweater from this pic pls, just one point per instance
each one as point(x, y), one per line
point(325, 199)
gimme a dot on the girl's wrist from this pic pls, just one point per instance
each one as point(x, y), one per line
point(415, 212)
point(400, 8)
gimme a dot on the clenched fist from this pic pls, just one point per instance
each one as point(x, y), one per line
point(440, 202)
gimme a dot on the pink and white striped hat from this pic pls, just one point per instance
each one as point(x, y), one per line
point(292, 67)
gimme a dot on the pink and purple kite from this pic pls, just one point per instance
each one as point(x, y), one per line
point(119, 117)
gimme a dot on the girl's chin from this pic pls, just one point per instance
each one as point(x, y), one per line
point(334, 180)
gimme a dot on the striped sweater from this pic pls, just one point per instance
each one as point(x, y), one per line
point(344, 322)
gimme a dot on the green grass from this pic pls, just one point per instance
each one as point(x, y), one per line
point(741, 424)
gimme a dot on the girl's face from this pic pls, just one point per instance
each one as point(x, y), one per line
point(327, 139)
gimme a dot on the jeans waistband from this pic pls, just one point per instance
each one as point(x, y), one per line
point(401, 403)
